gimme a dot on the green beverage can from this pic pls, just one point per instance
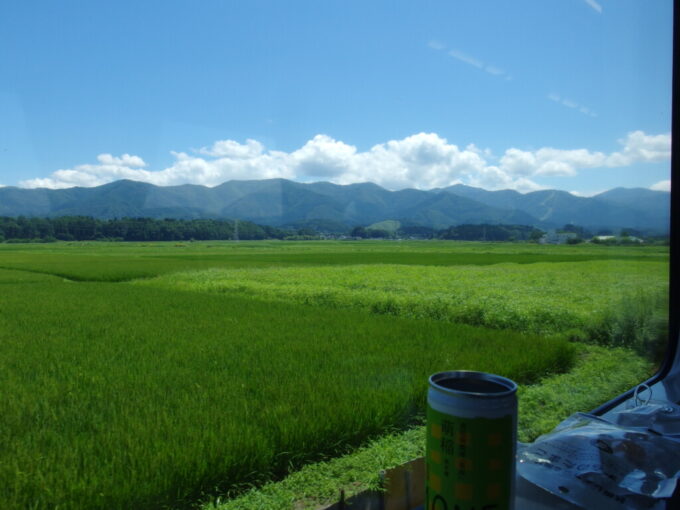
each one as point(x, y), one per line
point(471, 441)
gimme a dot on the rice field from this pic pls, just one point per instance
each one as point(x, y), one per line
point(121, 393)
point(117, 262)
point(545, 298)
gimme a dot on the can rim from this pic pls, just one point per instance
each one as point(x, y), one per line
point(439, 377)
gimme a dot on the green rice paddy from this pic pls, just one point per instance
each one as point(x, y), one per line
point(547, 297)
point(219, 372)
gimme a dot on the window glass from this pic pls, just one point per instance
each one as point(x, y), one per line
point(237, 237)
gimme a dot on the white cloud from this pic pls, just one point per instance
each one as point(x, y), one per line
point(549, 161)
point(463, 57)
point(124, 160)
point(638, 147)
point(494, 70)
point(661, 186)
point(322, 157)
point(594, 5)
point(571, 104)
point(232, 149)
point(436, 45)
point(422, 160)
point(470, 60)
point(494, 178)
point(109, 169)
point(586, 194)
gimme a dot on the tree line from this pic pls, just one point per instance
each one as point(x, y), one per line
point(489, 232)
point(467, 232)
point(84, 228)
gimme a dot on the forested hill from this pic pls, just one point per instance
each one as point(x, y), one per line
point(279, 202)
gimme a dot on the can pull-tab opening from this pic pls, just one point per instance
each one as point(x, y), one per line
point(473, 383)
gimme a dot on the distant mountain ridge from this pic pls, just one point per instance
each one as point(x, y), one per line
point(280, 202)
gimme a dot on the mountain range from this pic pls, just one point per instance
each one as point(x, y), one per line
point(280, 202)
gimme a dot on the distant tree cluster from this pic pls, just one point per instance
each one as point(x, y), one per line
point(83, 228)
point(581, 232)
point(486, 232)
point(418, 232)
point(410, 232)
point(370, 233)
point(628, 236)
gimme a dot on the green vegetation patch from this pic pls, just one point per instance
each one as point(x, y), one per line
point(598, 375)
point(545, 297)
point(390, 226)
point(220, 378)
point(122, 396)
point(115, 262)
point(17, 276)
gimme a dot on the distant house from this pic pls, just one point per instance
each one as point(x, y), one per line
point(618, 240)
point(553, 237)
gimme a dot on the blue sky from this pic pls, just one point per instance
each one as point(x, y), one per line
point(567, 94)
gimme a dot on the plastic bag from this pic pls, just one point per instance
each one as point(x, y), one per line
point(624, 464)
point(658, 416)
